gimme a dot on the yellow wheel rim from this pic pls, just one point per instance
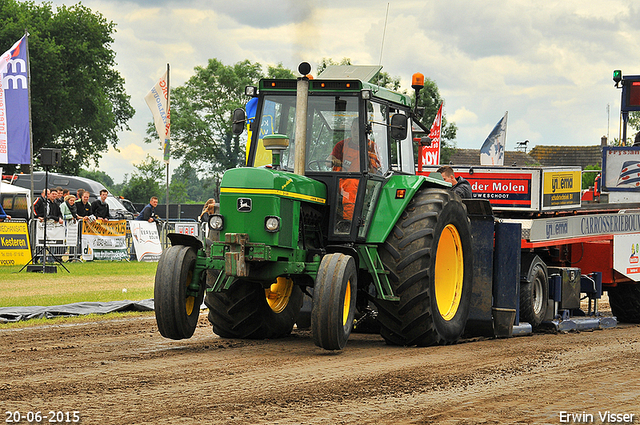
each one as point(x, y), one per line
point(190, 302)
point(347, 304)
point(449, 272)
point(278, 294)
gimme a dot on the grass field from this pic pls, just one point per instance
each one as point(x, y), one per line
point(91, 281)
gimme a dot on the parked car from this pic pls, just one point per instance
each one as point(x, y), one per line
point(129, 206)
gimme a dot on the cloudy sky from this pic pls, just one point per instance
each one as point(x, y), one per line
point(548, 63)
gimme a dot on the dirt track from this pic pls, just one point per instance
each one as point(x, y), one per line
point(123, 372)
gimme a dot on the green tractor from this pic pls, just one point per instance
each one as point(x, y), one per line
point(329, 205)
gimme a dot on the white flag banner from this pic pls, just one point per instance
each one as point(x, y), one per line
point(492, 151)
point(157, 100)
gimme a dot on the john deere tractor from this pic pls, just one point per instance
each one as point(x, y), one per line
point(329, 206)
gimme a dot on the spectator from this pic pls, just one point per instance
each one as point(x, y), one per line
point(68, 208)
point(3, 214)
point(79, 193)
point(460, 185)
point(148, 213)
point(54, 212)
point(207, 210)
point(636, 141)
point(40, 205)
point(84, 207)
point(59, 195)
point(99, 207)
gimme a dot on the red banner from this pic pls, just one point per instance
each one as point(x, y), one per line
point(430, 155)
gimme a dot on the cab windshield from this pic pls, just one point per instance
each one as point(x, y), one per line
point(334, 134)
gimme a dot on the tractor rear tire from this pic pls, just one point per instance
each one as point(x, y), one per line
point(176, 312)
point(625, 302)
point(248, 311)
point(534, 293)
point(429, 259)
point(334, 301)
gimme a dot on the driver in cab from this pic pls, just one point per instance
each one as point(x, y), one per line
point(345, 156)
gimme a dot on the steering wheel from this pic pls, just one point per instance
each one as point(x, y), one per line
point(318, 162)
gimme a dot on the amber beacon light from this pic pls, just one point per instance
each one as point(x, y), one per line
point(417, 81)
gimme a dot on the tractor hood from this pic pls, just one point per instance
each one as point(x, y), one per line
point(266, 181)
point(251, 196)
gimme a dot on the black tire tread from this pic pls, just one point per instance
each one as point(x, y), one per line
point(170, 293)
point(407, 255)
point(243, 312)
point(527, 313)
point(625, 302)
point(336, 270)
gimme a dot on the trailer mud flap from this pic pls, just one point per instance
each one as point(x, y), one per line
point(506, 278)
point(480, 322)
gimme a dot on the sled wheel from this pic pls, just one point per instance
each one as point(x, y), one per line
point(534, 293)
point(625, 302)
point(334, 301)
point(177, 312)
point(247, 310)
point(428, 256)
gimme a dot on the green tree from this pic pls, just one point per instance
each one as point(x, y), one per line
point(279, 71)
point(145, 182)
point(201, 115)
point(186, 186)
point(589, 178)
point(326, 62)
point(99, 176)
point(78, 101)
point(634, 121)
point(178, 192)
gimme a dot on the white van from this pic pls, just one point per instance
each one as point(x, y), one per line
point(15, 200)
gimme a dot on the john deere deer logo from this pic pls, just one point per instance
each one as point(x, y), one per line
point(244, 204)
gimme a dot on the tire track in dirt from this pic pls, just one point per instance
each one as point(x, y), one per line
point(123, 371)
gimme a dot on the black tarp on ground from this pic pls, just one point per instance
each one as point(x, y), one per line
point(16, 314)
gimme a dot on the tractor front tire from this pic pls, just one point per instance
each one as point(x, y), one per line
point(429, 259)
point(248, 311)
point(625, 302)
point(176, 312)
point(334, 301)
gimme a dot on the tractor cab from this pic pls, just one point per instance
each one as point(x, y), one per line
point(356, 137)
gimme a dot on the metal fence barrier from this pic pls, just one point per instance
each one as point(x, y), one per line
point(72, 250)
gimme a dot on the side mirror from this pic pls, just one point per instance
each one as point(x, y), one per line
point(239, 119)
point(399, 126)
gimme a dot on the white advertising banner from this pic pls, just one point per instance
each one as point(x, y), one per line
point(146, 240)
point(55, 233)
point(104, 240)
point(626, 255)
point(71, 234)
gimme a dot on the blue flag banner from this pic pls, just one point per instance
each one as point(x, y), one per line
point(492, 151)
point(15, 139)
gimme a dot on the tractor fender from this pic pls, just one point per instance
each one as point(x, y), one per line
point(343, 249)
point(187, 240)
point(396, 194)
